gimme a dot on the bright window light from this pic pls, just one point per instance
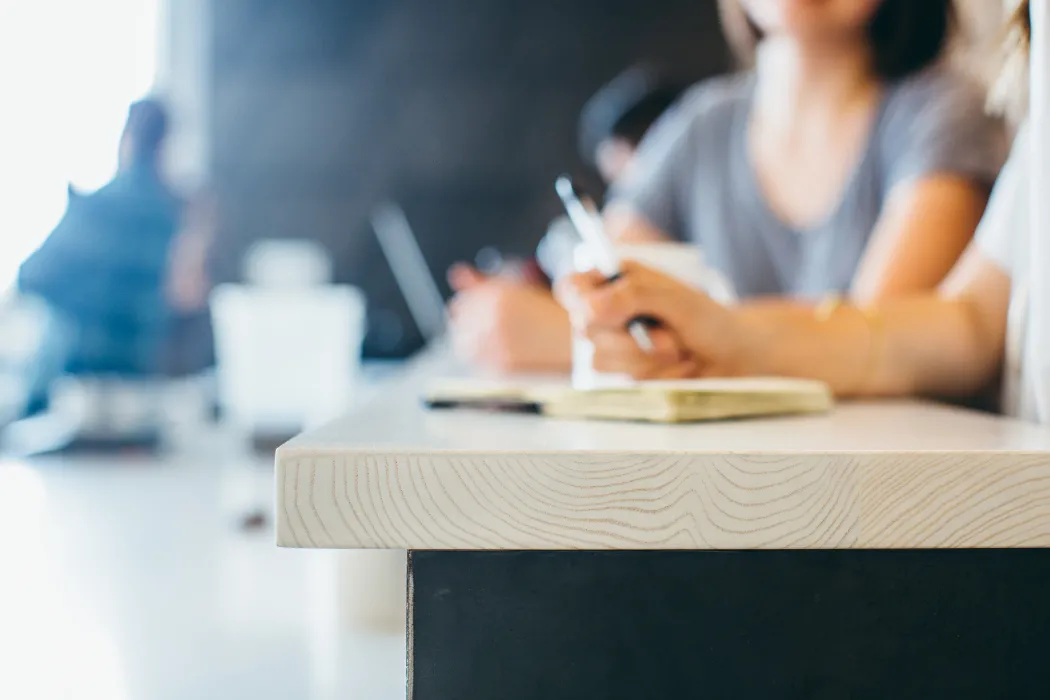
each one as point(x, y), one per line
point(68, 71)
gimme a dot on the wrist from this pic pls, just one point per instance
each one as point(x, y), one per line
point(754, 332)
point(832, 342)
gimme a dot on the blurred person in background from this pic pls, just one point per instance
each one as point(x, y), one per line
point(511, 322)
point(616, 119)
point(103, 273)
point(851, 159)
point(985, 321)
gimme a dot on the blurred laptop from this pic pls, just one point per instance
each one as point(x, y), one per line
point(413, 276)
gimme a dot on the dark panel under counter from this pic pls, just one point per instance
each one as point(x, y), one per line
point(772, 624)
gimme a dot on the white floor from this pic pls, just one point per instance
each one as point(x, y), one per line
point(131, 579)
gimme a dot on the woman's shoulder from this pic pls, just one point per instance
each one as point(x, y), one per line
point(937, 87)
point(937, 121)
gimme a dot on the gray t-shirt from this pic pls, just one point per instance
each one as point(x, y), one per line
point(694, 179)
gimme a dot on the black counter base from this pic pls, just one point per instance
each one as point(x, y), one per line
point(653, 625)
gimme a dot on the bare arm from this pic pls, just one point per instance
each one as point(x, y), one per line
point(948, 343)
point(924, 227)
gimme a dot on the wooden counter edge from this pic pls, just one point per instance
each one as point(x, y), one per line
point(459, 500)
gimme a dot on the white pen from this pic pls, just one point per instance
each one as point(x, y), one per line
point(588, 223)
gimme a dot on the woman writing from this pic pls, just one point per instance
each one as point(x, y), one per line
point(951, 342)
point(849, 160)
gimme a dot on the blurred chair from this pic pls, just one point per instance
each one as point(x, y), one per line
point(288, 343)
point(23, 322)
point(89, 411)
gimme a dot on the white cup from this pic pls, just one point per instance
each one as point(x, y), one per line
point(683, 261)
point(269, 380)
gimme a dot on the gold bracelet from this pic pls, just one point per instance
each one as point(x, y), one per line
point(827, 307)
point(872, 321)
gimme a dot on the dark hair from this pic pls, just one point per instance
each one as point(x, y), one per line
point(906, 35)
point(146, 128)
point(626, 108)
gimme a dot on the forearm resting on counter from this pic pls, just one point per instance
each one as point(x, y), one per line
point(927, 346)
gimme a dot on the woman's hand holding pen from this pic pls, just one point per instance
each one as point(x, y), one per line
point(696, 336)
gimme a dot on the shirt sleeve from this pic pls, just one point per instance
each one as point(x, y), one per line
point(938, 124)
point(1003, 225)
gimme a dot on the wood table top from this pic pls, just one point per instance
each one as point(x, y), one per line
point(392, 475)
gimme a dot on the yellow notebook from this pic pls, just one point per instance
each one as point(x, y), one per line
point(657, 402)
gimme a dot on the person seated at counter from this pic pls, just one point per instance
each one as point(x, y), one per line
point(511, 323)
point(101, 274)
point(851, 159)
point(950, 342)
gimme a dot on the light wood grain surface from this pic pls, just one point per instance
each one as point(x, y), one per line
point(885, 475)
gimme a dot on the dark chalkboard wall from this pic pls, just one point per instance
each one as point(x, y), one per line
point(462, 110)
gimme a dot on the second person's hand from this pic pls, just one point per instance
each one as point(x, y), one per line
point(507, 325)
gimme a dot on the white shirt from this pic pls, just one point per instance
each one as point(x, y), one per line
point(1003, 237)
point(1037, 151)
